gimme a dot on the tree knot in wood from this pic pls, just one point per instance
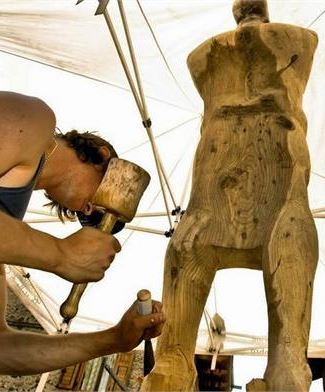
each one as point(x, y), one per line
point(213, 148)
point(228, 182)
point(282, 156)
point(284, 122)
point(287, 340)
point(238, 171)
point(174, 272)
point(231, 180)
point(266, 104)
point(292, 60)
point(245, 36)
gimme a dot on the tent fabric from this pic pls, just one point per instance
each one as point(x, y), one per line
point(39, 39)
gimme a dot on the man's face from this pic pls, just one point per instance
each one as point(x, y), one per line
point(78, 187)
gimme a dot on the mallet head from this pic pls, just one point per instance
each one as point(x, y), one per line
point(121, 188)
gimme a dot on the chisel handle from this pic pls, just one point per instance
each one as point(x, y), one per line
point(144, 308)
point(144, 302)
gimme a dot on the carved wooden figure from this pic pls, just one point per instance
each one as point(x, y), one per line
point(249, 205)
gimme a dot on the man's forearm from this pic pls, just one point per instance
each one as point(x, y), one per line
point(25, 353)
point(24, 246)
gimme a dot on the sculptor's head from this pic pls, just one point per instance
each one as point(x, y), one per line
point(248, 10)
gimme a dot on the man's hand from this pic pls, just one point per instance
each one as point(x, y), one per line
point(86, 255)
point(133, 327)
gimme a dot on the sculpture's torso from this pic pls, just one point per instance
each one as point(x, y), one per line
point(252, 152)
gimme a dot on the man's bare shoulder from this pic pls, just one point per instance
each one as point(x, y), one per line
point(26, 128)
point(17, 105)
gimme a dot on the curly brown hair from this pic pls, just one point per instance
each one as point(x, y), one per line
point(87, 146)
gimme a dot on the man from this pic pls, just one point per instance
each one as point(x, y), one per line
point(69, 169)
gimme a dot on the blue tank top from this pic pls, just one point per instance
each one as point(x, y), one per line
point(14, 201)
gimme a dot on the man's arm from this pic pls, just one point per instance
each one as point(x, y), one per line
point(22, 245)
point(81, 257)
point(24, 353)
point(29, 353)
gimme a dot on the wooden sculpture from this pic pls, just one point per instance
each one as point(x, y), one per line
point(249, 205)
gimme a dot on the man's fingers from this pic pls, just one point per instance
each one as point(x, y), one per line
point(116, 245)
point(110, 260)
point(152, 320)
point(151, 333)
point(156, 307)
point(96, 278)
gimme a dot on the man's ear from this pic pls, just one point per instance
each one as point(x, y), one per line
point(105, 153)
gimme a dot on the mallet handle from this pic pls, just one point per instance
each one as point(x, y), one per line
point(69, 308)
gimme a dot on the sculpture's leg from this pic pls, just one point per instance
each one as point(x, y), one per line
point(289, 265)
point(189, 272)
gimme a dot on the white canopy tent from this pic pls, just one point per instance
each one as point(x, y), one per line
point(65, 55)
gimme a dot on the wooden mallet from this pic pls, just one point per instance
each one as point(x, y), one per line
point(119, 194)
